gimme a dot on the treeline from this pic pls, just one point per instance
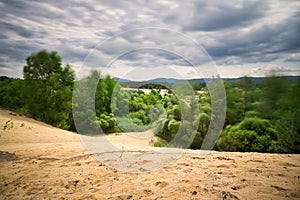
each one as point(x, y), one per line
point(45, 93)
point(263, 117)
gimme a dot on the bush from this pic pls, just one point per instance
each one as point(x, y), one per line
point(127, 124)
point(252, 134)
point(251, 114)
point(141, 115)
point(107, 123)
point(260, 126)
point(159, 142)
point(173, 127)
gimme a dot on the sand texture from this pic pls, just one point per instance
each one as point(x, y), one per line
point(38, 161)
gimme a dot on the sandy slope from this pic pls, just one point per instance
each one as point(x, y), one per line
point(38, 161)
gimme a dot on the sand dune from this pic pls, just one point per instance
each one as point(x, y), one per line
point(38, 161)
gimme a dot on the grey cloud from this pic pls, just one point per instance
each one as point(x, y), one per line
point(214, 16)
point(290, 34)
point(28, 26)
point(74, 28)
point(274, 69)
point(150, 54)
point(265, 43)
point(19, 30)
point(35, 11)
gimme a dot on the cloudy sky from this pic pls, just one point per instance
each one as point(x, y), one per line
point(233, 38)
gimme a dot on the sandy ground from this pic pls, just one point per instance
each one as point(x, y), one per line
point(38, 161)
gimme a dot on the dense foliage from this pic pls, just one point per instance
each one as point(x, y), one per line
point(47, 88)
point(261, 116)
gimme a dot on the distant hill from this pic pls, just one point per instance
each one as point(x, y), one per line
point(120, 80)
point(257, 80)
point(165, 80)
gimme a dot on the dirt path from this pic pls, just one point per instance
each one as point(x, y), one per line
point(38, 161)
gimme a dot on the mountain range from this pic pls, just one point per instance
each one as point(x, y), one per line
point(256, 80)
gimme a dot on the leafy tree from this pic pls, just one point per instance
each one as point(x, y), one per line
point(120, 102)
point(235, 105)
point(248, 86)
point(86, 106)
point(273, 88)
point(47, 88)
point(104, 92)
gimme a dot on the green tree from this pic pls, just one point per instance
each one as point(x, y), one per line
point(47, 88)
point(248, 86)
point(84, 110)
point(104, 92)
point(235, 105)
point(273, 88)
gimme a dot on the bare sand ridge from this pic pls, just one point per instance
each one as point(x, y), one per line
point(38, 161)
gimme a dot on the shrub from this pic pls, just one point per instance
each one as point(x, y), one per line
point(127, 124)
point(107, 123)
point(252, 134)
point(159, 142)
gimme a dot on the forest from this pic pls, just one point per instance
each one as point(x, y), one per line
point(260, 117)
